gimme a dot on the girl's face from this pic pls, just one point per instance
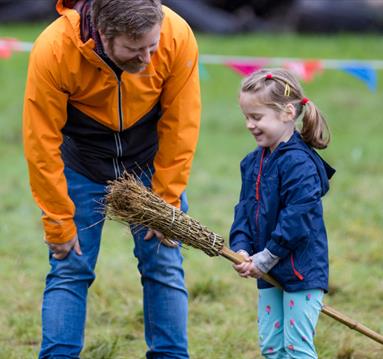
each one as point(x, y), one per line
point(268, 126)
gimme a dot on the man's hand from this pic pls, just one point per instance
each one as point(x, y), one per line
point(60, 251)
point(166, 241)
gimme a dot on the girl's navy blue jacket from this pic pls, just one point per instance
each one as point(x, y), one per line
point(280, 209)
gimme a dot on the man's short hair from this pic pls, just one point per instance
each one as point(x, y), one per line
point(131, 17)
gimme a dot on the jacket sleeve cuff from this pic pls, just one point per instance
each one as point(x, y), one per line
point(265, 260)
point(61, 231)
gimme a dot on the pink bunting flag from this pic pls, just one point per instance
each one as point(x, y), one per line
point(306, 69)
point(7, 45)
point(245, 68)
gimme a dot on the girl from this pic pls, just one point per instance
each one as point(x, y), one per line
point(278, 224)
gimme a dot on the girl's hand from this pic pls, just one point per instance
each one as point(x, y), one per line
point(244, 268)
point(255, 272)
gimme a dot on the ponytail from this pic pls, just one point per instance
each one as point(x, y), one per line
point(315, 131)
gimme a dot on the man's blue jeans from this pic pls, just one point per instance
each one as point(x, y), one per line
point(65, 296)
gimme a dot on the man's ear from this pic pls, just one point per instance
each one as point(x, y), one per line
point(289, 113)
point(106, 43)
point(102, 37)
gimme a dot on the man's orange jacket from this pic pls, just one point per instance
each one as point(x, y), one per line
point(77, 111)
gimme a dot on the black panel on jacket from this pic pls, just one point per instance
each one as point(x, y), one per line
point(102, 154)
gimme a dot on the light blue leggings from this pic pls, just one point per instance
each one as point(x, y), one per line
point(286, 323)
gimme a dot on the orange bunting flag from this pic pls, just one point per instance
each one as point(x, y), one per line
point(305, 70)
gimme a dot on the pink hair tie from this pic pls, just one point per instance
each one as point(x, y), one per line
point(269, 76)
point(304, 101)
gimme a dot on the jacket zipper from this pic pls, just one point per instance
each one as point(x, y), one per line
point(117, 137)
point(296, 273)
point(257, 197)
point(120, 128)
point(257, 190)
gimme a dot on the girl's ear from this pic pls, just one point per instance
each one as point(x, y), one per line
point(289, 113)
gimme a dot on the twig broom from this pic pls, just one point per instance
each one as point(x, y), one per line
point(130, 202)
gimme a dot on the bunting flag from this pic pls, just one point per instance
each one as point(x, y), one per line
point(365, 73)
point(6, 47)
point(245, 68)
point(306, 70)
point(9, 45)
point(5, 52)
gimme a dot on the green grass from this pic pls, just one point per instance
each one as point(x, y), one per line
point(222, 322)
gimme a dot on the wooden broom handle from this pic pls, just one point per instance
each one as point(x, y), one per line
point(331, 312)
point(351, 323)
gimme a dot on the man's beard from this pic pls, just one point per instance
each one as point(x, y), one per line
point(130, 66)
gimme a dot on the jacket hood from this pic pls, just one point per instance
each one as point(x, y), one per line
point(77, 14)
point(61, 5)
point(324, 169)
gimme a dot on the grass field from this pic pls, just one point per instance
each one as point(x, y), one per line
point(222, 320)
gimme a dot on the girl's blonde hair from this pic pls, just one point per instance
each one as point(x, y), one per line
point(278, 87)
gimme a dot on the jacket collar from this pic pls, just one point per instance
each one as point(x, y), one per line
point(296, 142)
point(84, 31)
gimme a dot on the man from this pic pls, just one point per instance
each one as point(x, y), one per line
point(112, 86)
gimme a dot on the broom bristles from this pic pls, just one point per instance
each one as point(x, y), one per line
point(130, 202)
